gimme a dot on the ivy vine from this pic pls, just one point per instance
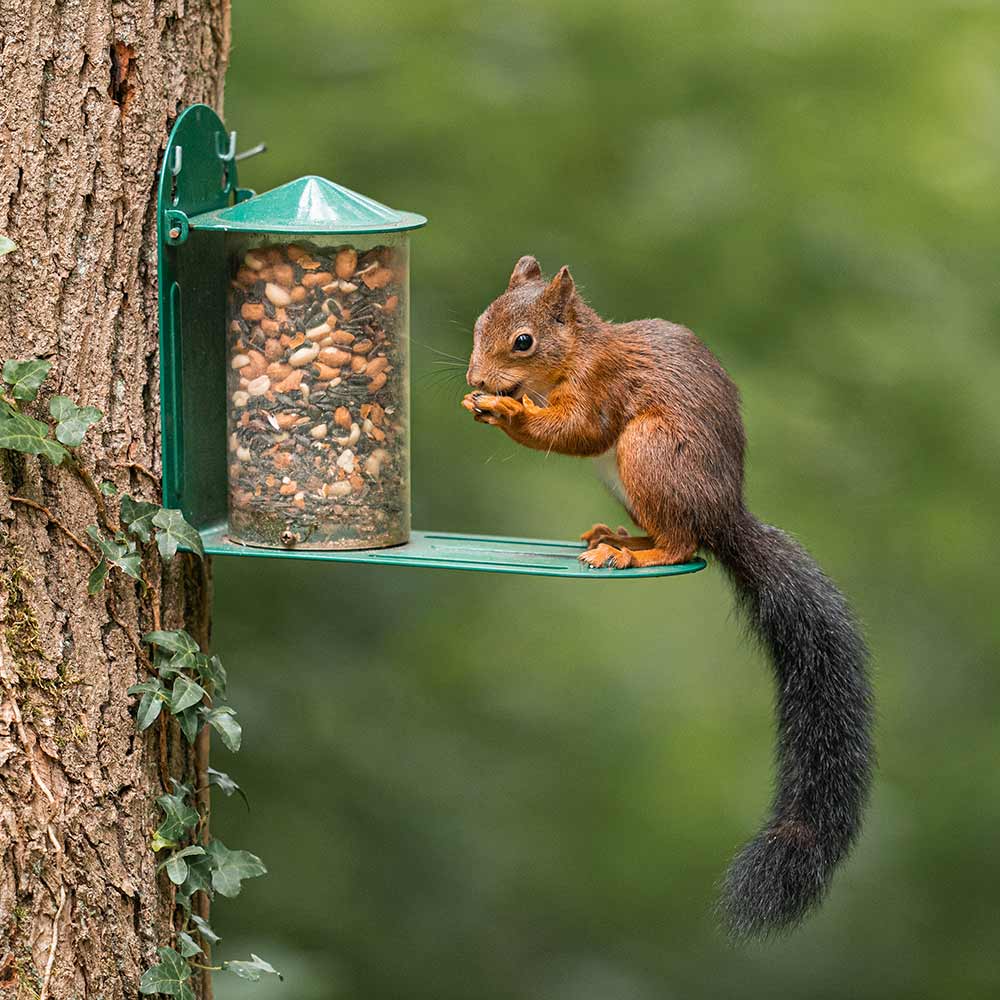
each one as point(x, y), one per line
point(185, 682)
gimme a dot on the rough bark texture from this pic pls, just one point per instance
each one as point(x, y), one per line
point(90, 90)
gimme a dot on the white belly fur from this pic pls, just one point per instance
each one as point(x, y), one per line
point(607, 471)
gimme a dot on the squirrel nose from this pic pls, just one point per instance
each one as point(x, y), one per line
point(475, 378)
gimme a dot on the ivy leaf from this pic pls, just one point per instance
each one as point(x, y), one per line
point(149, 710)
point(137, 516)
point(6, 245)
point(177, 641)
point(158, 843)
point(168, 976)
point(189, 947)
point(147, 687)
point(25, 377)
point(199, 878)
point(190, 723)
point(71, 432)
point(29, 436)
point(174, 531)
point(153, 695)
point(176, 866)
point(168, 666)
point(178, 817)
point(95, 582)
point(61, 407)
point(201, 925)
point(253, 969)
point(72, 421)
point(121, 554)
point(186, 693)
point(222, 781)
point(130, 563)
point(190, 852)
point(222, 720)
point(184, 791)
point(212, 672)
point(107, 488)
point(218, 674)
point(230, 868)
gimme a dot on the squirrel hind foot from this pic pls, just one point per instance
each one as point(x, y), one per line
point(611, 554)
point(604, 556)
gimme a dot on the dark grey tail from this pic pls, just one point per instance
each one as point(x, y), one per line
point(824, 750)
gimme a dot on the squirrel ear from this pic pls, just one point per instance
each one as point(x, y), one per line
point(525, 270)
point(559, 291)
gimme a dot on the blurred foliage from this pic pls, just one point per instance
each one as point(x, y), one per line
point(493, 787)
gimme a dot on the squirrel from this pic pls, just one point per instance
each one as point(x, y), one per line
point(654, 401)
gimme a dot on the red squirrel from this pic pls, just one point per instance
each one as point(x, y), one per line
point(654, 400)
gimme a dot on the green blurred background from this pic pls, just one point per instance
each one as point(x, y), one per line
point(475, 786)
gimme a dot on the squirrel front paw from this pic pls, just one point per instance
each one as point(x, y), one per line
point(606, 557)
point(493, 410)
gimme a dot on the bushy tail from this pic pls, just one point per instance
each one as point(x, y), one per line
point(824, 709)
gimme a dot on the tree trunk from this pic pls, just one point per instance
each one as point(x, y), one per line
point(90, 90)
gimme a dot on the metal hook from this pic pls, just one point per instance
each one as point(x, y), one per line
point(252, 151)
point(232, 147)
point(175, 169)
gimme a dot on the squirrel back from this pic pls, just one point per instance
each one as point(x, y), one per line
point(652, 398)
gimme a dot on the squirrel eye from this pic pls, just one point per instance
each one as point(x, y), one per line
point(523, 342)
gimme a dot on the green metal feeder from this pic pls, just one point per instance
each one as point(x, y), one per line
point(284, 365)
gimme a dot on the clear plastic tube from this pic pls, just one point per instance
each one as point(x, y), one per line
point(318, 391)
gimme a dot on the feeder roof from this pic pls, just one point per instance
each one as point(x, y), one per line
point(309, 205)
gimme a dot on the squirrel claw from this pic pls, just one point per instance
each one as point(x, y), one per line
point(492, 409)
point(606, 557)
point(471, 403)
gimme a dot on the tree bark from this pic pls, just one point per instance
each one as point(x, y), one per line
point(90, 90)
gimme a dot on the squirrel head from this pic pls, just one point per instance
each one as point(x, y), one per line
point(524, 341)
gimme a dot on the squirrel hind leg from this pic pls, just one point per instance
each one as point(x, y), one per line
point(663, 549)
point(679, 551)
point(601, 534)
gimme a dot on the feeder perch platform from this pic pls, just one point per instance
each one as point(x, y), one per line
point(443, 550)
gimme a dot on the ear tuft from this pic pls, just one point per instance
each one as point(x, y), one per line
point(563, 281)
point(525, 270)
point(559, 291)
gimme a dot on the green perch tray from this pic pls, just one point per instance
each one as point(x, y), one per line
point(443, 550)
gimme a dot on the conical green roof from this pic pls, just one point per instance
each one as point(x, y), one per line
point(308, 205)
